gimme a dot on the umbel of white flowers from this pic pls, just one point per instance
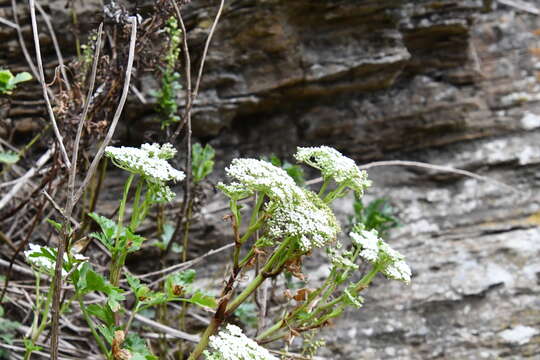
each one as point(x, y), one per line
point(376, 251)
point(296, 212)
point(150, 162)
point(333, 165)
point(231, 344)
point(43, 258)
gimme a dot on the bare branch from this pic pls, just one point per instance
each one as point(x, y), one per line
point(117, 114)
point(44, 85)
point(47, 20)
point(73, 170)
point(206, 46)
point(63, 243)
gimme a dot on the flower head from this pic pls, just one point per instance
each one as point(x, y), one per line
point(43, 258)
point(307, 218)
point(149, 161)
point(252, 175)
point(376, 251)
point(333, 164)
point(232, 344)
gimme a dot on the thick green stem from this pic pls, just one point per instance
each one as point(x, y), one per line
point(135, 216)
point(274, 263)
point(119, 249)
point(278, 258)
point(205, 338)
point(323, 187)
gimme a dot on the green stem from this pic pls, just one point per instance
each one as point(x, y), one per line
point(185, 242)
point(323, 187)
point(278, 259)
point(136, 211)
point(205, 338)
point(92, 326)
point(334, 194)
point(119, 249)
point(255, 283)
point(44, 318)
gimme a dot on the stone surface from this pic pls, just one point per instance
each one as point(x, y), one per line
point(448, 82)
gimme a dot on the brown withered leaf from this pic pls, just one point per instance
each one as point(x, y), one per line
point(117, 351)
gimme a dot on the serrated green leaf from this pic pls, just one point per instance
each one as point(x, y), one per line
point(107, 332)
point(202, 162)
point(103, 313)
point(202, 299)
point(114, 299)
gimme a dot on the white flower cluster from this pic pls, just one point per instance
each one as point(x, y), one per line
point(41, 257)
point(149, 161)
point(252, 175)
point(296, 212)
point(308, 218)
point(232, 344)
point(333, 164)
point(377, 251)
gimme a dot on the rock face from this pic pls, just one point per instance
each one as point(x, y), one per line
point(448, 82)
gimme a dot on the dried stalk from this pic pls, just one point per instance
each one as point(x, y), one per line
point(44, 85)
point(74, 199)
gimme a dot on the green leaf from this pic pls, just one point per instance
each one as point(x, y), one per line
point(29, 346)
point(137, 346)
point(134, 241)
point(107, 332)
point(55, 224)
point(114, 299)
point(168, 232)
point(201, 299)
point(9, 157)
point(5, 77)
point(103, 313)
point(21, 77)
point(202, 162)
point(108, 226)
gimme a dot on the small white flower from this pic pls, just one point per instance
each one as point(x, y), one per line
point(150, 161)
point(369, 241)
point(333, 164)
point(41, 257)
point(231, 344)
point(252, 175)
point(309, 219)
point(376, 251)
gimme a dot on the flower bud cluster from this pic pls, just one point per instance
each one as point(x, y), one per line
point(376, 251)
point(232, 344)
point(334, 165)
